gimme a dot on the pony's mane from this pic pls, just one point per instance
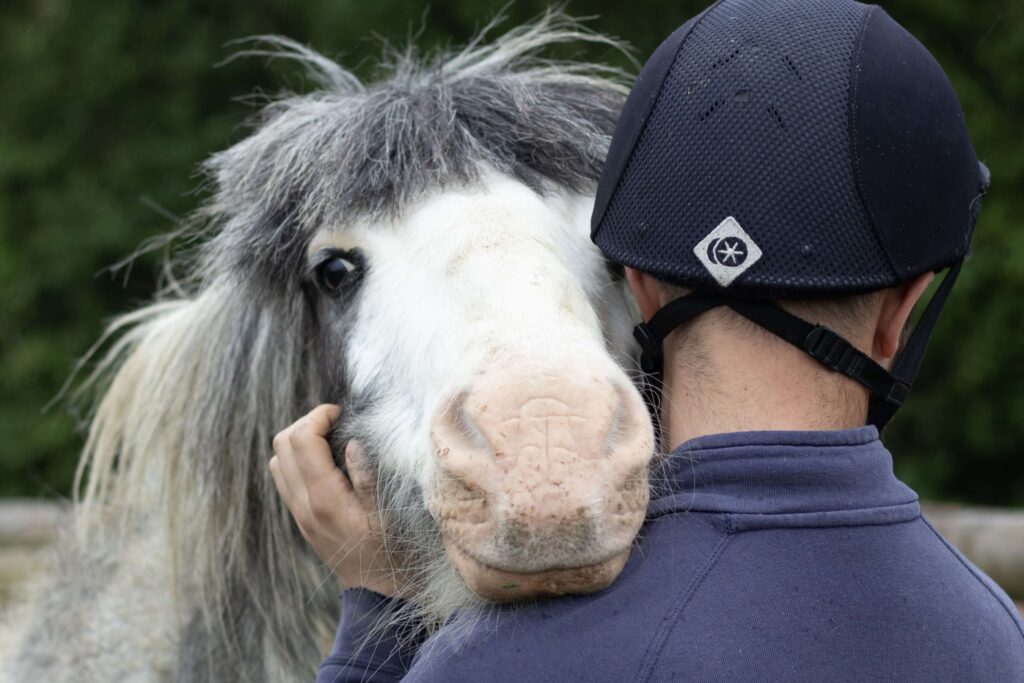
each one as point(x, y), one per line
point(352, 150)
point(194, 386)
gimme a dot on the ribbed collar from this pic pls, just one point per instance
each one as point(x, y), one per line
point(779, 473)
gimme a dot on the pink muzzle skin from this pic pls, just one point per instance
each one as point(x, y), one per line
point(541, 481)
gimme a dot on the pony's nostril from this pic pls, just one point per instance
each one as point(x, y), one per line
point(617, 427)
point(466, 424)
point(629, 420)
point(462, 419)
point(458, 429)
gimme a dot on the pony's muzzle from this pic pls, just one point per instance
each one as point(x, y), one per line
point(541, 478)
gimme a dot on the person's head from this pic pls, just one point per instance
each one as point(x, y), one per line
point(785, 180)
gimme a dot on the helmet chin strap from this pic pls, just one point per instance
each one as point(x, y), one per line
point(888, 390)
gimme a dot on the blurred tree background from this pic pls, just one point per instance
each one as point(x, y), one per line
point(107, 107)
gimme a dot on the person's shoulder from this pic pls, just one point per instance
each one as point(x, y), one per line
point(809, 603)
point(602, 636)
point(986, 597)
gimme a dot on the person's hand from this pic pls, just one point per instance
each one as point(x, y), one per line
point(335, 513)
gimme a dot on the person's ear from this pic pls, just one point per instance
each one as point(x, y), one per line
point(897, 305)
point(645, 291)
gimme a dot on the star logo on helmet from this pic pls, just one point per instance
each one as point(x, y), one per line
point(727, 252)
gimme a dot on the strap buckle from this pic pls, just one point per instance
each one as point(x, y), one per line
point(834, 352)
point(837, 354)
point(897, 393)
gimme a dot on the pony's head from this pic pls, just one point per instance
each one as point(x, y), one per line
point(467, 340)
point(437, 224)
point(417, 250)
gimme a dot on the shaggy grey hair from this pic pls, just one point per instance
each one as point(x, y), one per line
point(193, 387)
point(352, 150)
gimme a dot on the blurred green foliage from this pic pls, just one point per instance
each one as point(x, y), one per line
point(107, 107)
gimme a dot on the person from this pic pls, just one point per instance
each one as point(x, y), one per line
point(786, 178)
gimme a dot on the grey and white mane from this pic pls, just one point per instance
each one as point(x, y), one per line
point(182, 563)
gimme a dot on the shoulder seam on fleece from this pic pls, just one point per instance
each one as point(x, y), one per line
point(1013, 617)
point(672, 617)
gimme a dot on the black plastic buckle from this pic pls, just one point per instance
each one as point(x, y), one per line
point(897, 393)
point(650, 347)
point(833, 351)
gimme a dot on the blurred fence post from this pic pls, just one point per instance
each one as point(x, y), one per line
point(991, 538)
point(27, 527)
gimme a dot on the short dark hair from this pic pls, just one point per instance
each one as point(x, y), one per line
point(846, 315)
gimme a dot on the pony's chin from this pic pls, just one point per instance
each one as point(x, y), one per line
point(501, 585)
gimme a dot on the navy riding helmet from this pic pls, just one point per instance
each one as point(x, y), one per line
point(775, 149)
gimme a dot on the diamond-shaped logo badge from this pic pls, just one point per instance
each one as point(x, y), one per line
point(727, 252)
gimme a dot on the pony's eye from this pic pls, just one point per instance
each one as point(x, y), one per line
point(334, 272)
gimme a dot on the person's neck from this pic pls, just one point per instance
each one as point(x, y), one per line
point(753, 384)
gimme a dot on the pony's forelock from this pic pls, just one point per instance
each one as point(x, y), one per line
point(351, 151)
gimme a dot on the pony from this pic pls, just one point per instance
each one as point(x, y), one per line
point(416, 249)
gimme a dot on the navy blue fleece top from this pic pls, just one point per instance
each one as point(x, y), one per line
point(766, 556)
